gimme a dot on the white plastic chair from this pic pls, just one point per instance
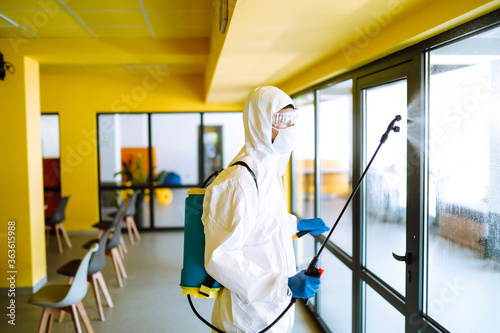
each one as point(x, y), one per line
point(63, 297)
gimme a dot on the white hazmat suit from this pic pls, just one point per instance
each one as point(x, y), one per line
point(248, 232)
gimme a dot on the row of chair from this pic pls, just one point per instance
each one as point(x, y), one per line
point(68, 298)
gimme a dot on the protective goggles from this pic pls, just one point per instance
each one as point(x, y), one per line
point(284, 120)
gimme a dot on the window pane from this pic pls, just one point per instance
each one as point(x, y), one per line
point(386, 184)
point(123, 139)
point(49, 129)
point(50, 135)
point(380, 316)
point(335, 149)
point(175, 144)
point(303, 156)
point(335, 294)
point(110, 201)
point(169, 207)
point(224, 137)
point(464, 184)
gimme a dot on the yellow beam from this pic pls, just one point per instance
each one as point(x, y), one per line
point(101, 51)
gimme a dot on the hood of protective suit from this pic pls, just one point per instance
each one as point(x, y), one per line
point(259, 108)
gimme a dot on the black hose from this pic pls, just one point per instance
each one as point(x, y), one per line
point(201, 318)
point(292, 301)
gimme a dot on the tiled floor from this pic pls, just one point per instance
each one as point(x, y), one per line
point(150, 301)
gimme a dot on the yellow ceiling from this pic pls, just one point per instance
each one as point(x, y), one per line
point(266, 42)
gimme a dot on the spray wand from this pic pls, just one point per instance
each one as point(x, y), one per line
point(312, 270)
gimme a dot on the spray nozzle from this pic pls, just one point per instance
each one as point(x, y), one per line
point(390, 128)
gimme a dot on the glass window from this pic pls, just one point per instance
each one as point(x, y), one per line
point(464, 184)
point(224, 136)
point(380, 316)
point(175, 140)
point(335, 153)
point(50, 135)
point(303, 157)
point(124, 161)
point(169, 207)
point(123, 149)
point(335, 294)
point(49, 130)
point(385, 183)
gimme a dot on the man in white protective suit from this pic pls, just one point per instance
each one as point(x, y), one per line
point(248, 231)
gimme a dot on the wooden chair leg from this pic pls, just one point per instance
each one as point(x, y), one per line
point(129, 228)
point(59, 243)
point(122, 268)
point(65, 234)
point(74, 317)
point(134, 227)
point(51, 319)
point(120, 251)
point(84, 316)
point(101, 232)
point(114, 255)
point(122, 244)
point(44, 320)
point(93, 282)
point(104, 288)
point(61, 316)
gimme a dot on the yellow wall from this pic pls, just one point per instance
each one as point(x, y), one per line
point(77, 96)
point(21, 194)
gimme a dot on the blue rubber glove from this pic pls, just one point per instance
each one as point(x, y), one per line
point(317, 226)
point(303, 286)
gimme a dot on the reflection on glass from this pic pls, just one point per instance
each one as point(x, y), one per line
point(380, 316)
point(385, 183)
point(224, 137)
point(464, 184)
point(123, 149)
point(303, 156)
point(175, 143)
point(335, 149)
point(335, 294)
point(169, 207)
point(110, 201)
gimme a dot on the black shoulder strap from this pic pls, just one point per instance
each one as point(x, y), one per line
point(249, 170)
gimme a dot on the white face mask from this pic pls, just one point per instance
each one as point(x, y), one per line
point(286, 140)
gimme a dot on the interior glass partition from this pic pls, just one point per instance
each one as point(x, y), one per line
point(174, 141)
point(464, 184)
point(224, 136)
point(124, 162)
point(162, 155)
point(303, 157)
point(335, 154)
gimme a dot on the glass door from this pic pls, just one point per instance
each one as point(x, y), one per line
point(383, 228)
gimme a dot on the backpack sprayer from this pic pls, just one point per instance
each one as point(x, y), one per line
point(196, 282)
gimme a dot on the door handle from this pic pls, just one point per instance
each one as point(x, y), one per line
point(406, 258)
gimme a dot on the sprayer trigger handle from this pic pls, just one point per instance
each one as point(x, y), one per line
point(313, 271)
